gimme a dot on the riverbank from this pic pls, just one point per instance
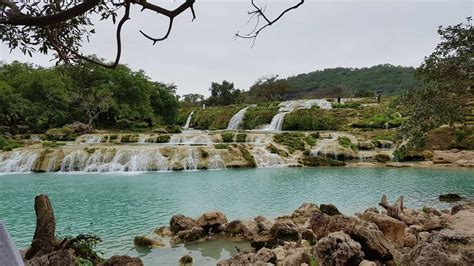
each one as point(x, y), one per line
point(313, 235)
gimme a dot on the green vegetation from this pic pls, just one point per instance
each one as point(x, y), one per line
point(61, 134)
point(292, 141)
point(347, 143)
point(241, 137)
point(445, 138)
point(259, 115)
point(50, 144)
point(353, 105)
point(227, 137)
point(247, 156)
point(380, 121)
point(204, 154)
point(217, 117)
point(35, 99)
point(7, 144)
point(386, 135)
point(221, 146)
point(313, 119)
point(311, 140)
point(391, 80)
point(83, 246)
point(446, 95)
point(163, 138)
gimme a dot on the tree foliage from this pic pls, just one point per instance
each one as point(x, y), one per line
point(447, 74)
point(224, 94)
point(36, 99)
point(269, 89)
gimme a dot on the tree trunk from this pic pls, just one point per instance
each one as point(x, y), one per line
point(396, 210)
point(44, 240)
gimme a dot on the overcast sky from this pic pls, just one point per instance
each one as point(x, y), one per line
point(318, 35)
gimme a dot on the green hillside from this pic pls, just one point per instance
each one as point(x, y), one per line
point(391, 80)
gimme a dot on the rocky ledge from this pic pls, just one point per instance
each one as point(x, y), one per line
point(321, 235)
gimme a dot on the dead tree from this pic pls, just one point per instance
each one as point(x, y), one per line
point(62, 26)
point(44, 240)
point(396, 210)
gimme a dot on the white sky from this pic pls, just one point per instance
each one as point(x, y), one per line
point(320, 34)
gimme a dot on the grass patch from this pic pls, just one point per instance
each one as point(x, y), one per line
point(313, 119)
point(292, 141)
point(353, 105)
point(247, 156)
point(227, 137)
point(8, 144)
point(241, 137)
point(310, 140)
point(347, 143)
point(221, 146)
point(259, 115)
point(216, 117)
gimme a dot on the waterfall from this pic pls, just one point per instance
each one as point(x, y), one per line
point(263, 158)
point(236, 120)
point(142, 138)
point(202, 139)
point(215, 162)
point(188, 120)
point(35, 138)
point(90, 139)
point(74, 161)
point(290, 106)
point(19, 161)
point(190, 162)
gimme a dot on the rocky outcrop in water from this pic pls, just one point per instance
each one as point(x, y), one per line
point(322, 235)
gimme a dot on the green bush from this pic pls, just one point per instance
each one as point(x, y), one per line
point(163, 138)
point(227, 137)
point(241, 137)
point(7, 144)
point(221, 146)
point(259, 115)
point(83, 246)
point(173, 129)
point(247, 156)
point(204, 154)
point(50, 144)
point(380, 121)
point(313, 119)
point(293, 141)
point(353, 105)
point(347, 143)
point(61, 134)
point(310, 140)
point(216, 117)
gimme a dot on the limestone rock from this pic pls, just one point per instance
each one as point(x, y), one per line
point(191, 235)
point(329, 209)
point(242, 228)
point(367, 263)
point(266, 255)
point(450, 197)
point(338, 249)
point(180, 222)
point(409, 239)
point(146, 242)
point(211, 221)
point(122, 261)
point(284, 231)
point(185, 260)
point(263, 223)
point(304, 213)
point(393, 229)
point(56, 258)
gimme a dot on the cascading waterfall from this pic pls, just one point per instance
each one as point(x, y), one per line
point(142, 138)
point(216, 162)
point(202, 139)
point(263, 158)
point(236, 120)
point(290, 106)
point(188, 120)
point(18, 161)
point(90, 139)
point(75, 161)
point(190, 162)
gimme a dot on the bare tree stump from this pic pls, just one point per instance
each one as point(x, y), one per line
point(44, 240)
point(396, 210)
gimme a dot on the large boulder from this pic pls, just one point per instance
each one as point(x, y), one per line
point(242, 228)
point(450, 197)
point(180, 222)
point(329, 209)
point(266, 255)
point(393, 229)
point(191, 235)
point(242, 258)
point(211, 221)
point(263, 224)
point(304, 212)
point(146, 242)
point(122, 261)
point(338, 249)
point(56, 258)
point(283, 231)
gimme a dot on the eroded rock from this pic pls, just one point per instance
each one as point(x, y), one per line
point(338, 249)
point(180, 222)
point(211, 221)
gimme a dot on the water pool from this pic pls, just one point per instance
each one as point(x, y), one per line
point(118, 207)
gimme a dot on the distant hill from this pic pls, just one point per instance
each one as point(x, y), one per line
point(333, 82)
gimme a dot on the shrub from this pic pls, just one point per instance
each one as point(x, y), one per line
point(380, 121)
point(259, 115)
point(49, 144)
point(293, 141)
point(204, 154)
point(227, 137)
point(247, 156)
point(221, 146)
point(216, 117)
point(353, 105)
point(347, 143)
point(241, 137)
point(313, 119)
point(63, 133)
point(83, 246)
point(163, 138)
point(173, 129)
point(310, 140)
point(7, 144)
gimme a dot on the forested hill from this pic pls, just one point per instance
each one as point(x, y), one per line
point(391, 80)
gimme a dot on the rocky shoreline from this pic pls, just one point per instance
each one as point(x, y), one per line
point(321, 235)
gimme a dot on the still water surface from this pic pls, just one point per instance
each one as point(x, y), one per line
point(118, 207)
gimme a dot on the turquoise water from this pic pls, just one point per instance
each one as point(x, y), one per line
point(120, 206)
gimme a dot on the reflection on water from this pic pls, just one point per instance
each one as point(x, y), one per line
point(120, 207)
